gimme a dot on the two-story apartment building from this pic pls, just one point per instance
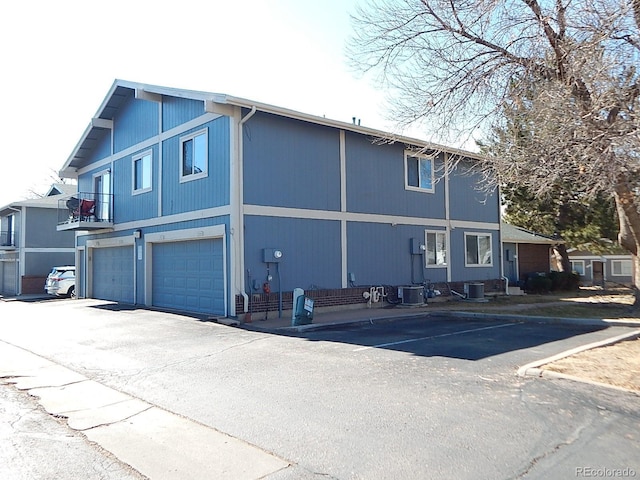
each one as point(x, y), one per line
point(29, 243)
point(209, 203)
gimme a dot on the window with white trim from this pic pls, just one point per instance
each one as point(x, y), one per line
point(621, 268)
point(477, 249)
point(142, 172)
point(577, 266)
point(419, 172)
point(436, 249)
point(194, 155)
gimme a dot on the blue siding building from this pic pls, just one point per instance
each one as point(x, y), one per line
point(213, 204)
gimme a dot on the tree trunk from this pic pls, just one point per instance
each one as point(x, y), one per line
point(629, 235)
point(636, 281)
point(561, 252)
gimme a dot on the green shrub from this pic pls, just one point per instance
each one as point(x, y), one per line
point(564, 281)
point(538, 283)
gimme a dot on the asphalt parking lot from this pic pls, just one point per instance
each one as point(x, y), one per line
point(466, 339)
point(421, 397)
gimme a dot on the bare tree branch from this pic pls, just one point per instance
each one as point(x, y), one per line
point(551, 86)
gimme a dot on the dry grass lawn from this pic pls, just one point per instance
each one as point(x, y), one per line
point(617, 364)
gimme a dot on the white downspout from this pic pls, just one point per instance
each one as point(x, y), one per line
point(447, 213)
point(502, 275)
point(240, 207)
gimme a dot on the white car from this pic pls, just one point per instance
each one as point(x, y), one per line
point(61, 282)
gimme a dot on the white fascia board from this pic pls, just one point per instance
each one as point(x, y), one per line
point(533, 241)
point(214, 231)
point(123, 241)
point(64, 171)
point(158, 90)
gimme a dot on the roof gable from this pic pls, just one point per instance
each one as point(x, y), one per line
point(211, 102)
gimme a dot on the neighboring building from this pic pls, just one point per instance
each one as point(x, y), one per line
point(598, 270)
point(525, 252)
point(30, 243)
point(203, 202)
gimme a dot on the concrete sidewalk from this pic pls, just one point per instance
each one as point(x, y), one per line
point(388, 313)
point(155, 442)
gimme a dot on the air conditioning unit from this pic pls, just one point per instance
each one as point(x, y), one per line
point(411, 295)
point(474, 292)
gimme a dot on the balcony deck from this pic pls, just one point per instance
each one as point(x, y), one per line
point(85, 211)
point(78, 224)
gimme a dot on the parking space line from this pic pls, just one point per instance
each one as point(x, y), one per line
point(390, 344)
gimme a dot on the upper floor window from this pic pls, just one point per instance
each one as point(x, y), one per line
point(142, 173)
point(9, 237)
point(193, 156)
point(436, 249)
point(419, 172)
point(621, 268)
point(477, 249)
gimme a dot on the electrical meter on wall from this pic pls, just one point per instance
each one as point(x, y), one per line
point(271, 255)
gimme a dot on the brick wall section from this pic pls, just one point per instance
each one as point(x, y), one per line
point(33, 285)
point(261, 302)
point(533, 258)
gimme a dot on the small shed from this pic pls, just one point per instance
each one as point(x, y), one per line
point(525, 252)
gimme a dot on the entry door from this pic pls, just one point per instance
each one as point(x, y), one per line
point(81, 291)
point(510, 267)
point(598, 273)
point(102, 189)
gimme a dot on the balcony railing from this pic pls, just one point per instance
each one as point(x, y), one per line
point(85, 211)
point(8, 240)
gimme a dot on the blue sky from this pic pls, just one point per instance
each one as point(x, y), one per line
point(63, 57)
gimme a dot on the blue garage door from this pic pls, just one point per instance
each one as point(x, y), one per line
point(113, 274)
point(9, 277)
point(188, 276)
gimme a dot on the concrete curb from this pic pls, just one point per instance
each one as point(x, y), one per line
point(361, 321)
point(533, 369)
point(373, 320)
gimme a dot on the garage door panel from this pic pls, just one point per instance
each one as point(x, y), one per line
point(113, 274)
point(189, 276)
point(9, 277)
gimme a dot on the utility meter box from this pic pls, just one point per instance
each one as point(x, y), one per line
point(302, 310)
point(416, 247)
point(271, 255)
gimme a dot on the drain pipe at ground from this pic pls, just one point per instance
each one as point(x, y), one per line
point(506, 285)
point(245, 296)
